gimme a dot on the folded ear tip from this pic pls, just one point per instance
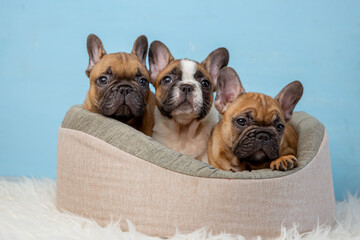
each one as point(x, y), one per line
point(298, 85)
point(297, 82)
point(157, 48)
point(223, 50)
point(228, 72)
point(225, 54)
point(93, 41)
point(156, 43)
point(227, 69)
point(143, 39)
point(154, 46)
point(92, 37)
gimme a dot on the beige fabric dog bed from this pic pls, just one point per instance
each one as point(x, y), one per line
point(109, 171)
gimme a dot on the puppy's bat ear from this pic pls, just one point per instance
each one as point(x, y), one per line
point(159, 58)
point(288, 97)
point(216, 60)
point(228, 87)
point(140, 48)
point(95, 50)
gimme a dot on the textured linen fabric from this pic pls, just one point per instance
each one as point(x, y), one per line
point(310, 132)
point(100, 181)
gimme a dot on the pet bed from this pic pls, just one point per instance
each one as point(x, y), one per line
point(109, 171)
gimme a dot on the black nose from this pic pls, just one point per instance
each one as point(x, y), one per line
point(124, 90)
point(186, 88)
point(263, 137)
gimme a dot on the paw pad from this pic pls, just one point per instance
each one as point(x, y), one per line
point(284, 163)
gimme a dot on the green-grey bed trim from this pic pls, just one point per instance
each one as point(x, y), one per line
point(310, 131)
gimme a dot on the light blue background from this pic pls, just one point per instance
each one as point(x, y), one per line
point(43, 59)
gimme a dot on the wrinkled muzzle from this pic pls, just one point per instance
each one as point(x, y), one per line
point(257, 145)
point(122, 101)
point(183, 98)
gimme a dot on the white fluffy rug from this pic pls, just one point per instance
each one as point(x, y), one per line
point(27, 211)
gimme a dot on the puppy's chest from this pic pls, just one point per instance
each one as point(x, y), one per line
point(186, 143)
point(190, 140)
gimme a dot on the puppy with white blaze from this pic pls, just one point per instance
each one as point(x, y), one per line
point(184, 114)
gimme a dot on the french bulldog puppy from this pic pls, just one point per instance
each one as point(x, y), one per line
point(184, 116)
point(119, 84)
point(254, 132)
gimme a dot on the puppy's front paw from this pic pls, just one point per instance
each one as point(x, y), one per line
point(284, 163)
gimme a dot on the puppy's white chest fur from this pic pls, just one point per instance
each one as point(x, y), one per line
point(190, 139)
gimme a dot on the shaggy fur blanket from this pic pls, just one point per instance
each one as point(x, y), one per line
point(27, 211)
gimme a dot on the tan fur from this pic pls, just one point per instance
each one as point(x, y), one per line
point(263, 109)
point(189, 139)
point(185, 114)
point(126, 65)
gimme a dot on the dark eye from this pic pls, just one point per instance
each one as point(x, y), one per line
point(280, 127)
point(166, 80)
point(102, 80)
point(241, 121)
point(205, 83)
point(143, 82)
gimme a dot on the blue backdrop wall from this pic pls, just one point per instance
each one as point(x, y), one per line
point(43, 59)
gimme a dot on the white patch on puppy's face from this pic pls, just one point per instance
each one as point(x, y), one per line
point(188, 69)
point(195, 99)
